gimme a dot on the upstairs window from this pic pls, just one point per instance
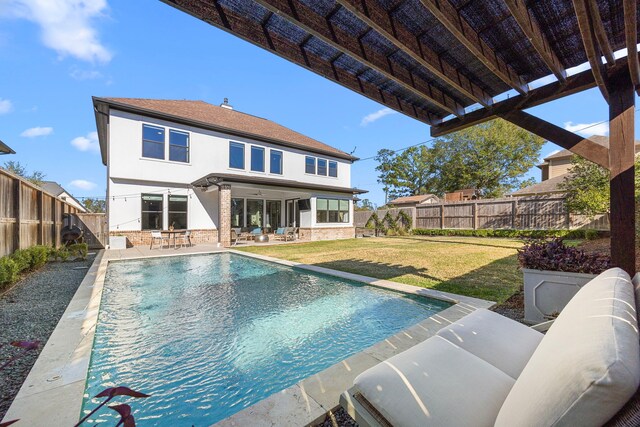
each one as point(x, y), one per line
point(151, 217)
point(275, 162)
point(322, 167)
point(310, 165)
point(152, 142)
point(178, 146)
point(178, 212)
point(236, 155)
point(257, 159)
point(333, 169)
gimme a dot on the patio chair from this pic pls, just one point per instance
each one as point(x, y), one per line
point(185, 238)
point(238, 237)
point(488, 370)
point(280, 234)
point(156, 236)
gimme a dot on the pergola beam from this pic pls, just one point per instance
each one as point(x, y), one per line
point(306, 19)
point(529, 25)
point(583, 147)
point(631, 39)
point(600, 32)
point(449, 17)
point(585, 23)
point(253, 32)
point(374, 16)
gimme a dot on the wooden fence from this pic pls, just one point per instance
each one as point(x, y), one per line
point(524, 213)
point(94, 226)
point(28, 215)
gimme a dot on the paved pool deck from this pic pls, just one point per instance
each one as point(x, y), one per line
point(56, 382)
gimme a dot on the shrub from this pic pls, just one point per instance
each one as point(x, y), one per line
point(506, 233)
point(8, 271)
point(39, 256)
point(79, 250)
point(554, 255)
point(22, 259)
point(591, 234)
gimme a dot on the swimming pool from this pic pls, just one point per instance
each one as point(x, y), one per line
point(208, 335)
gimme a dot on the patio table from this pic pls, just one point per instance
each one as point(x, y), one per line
point(172, 234)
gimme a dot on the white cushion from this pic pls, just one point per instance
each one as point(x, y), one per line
point(435, 383)
point(502, 342)
point(588, 364)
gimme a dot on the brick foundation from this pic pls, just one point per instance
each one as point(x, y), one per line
point(314, 234)
point(143, 238)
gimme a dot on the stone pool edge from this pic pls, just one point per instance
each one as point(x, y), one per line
point(55, 386)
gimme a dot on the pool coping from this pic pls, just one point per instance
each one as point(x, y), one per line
point(56, 382)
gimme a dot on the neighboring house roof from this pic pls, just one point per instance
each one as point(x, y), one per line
point(412, 199)
point(566, 154)
point(56, 189)
point(204, 115)
point(5, 149)
point(220, 178)
point(548, 186)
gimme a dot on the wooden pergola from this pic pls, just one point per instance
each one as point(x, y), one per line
point(444, 62)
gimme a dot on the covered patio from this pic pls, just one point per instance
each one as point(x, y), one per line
point(453, 64)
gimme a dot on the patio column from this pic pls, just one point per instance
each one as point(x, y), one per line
point(621, 163)
point(224, 220)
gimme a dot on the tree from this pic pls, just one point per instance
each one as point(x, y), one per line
point(491, 157)
point(36, 177)
point(587, 187)
point(95, 205)
point(365, 205)
point(407, 173)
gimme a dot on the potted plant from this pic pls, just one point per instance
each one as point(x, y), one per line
point(553, 273)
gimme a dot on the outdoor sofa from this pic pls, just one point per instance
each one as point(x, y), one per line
point(487, 370)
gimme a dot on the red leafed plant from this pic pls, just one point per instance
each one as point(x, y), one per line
point(126, 418)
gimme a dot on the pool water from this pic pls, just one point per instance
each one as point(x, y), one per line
point(208, 335)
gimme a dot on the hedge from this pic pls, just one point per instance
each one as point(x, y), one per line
point(533, 234)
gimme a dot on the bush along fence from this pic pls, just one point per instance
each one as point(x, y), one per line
point(515, 213)
point(28, 215)
point(35, 257)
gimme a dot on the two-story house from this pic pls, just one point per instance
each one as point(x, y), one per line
point(193, 165)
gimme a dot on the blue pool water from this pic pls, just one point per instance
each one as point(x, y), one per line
point(208, 335)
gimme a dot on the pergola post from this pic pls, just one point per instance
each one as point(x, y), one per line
point(621, 165)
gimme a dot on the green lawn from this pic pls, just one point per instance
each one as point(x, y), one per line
point(478, 267)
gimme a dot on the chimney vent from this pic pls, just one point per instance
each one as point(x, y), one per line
point(226, 104)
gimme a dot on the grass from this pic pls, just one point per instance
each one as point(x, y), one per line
point(479, 267)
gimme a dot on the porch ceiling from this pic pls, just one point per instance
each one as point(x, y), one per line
point(222, 178)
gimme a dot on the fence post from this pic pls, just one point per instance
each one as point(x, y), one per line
point(40, 217)
point(414, 217)
point(442, 216)
point(17, 205)
point(514, 214)
point(474, 208)
point(54, 231)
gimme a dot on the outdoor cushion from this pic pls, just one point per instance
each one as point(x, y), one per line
point(256, 231)
point(588, 364)
point(280, 230)
point(435, 383)
point(500, 341)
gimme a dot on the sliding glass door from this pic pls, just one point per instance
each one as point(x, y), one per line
point(274, 214)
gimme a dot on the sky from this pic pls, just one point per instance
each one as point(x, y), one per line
point(57, 54)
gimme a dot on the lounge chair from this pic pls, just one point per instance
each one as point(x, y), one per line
point(283, 233)
point(156, 236)
point(238, 237)
point(487, 370)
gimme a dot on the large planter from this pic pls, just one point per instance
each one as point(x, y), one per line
point(117, 242)
point(547, 292)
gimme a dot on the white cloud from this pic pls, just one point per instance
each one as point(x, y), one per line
point(79, 74)
point(588, 129)
point(5, 106)
point(37, 131)
point(66, 25)
point(82, 184)
point(370, 118)
point(87, 143)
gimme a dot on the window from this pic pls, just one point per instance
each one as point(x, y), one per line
point(255, 213)
point(152, 142)
point(151, 218)
point(310, 165)
point(332, 211)
point(237, 213)
point(322, 167)
point(236, 155)
point(274, 214)
point(257, 159)
point(333, 169)
point(178, 146)
point(178, 212)
point(275, 162)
